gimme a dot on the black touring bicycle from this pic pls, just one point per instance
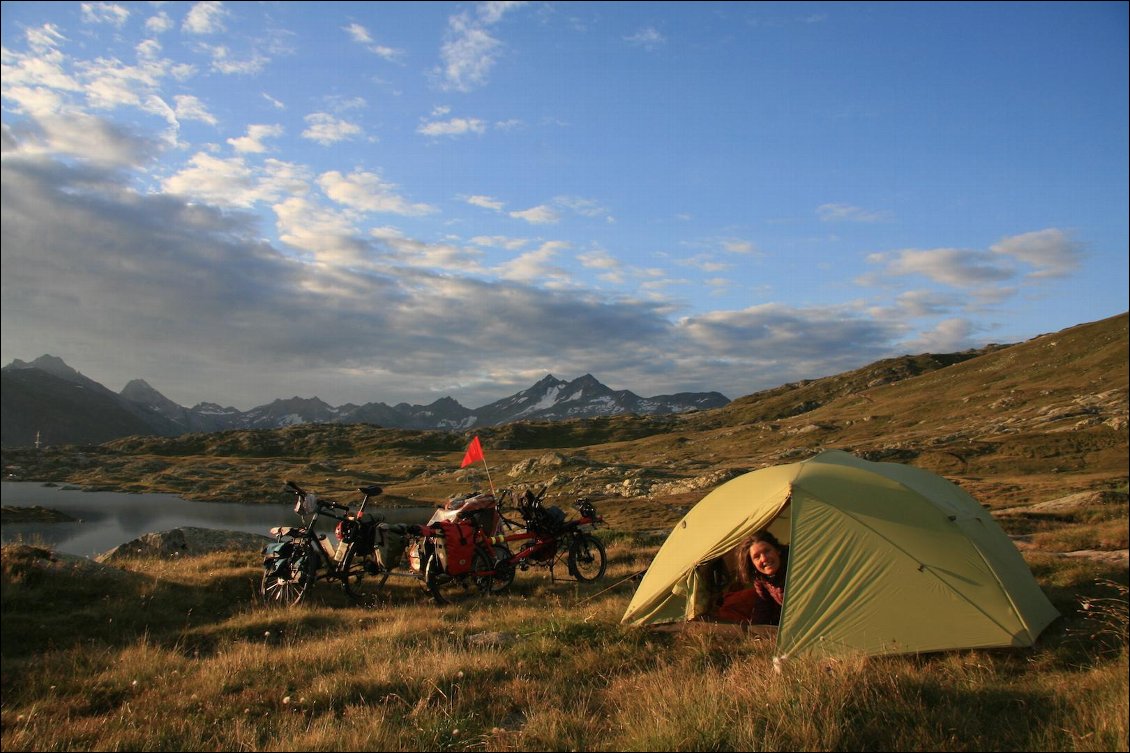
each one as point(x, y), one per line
point(301, 556)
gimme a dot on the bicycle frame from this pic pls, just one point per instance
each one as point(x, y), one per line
point(543, 547)
point(540, 542)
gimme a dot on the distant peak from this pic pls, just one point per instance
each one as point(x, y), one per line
point(51, 364)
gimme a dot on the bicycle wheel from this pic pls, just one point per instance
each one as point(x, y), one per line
point(587, 559)
point(285, 583)
point(446, 589)
point(361, 578)
point(503, 570)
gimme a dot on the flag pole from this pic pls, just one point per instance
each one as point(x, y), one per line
point(488, 475)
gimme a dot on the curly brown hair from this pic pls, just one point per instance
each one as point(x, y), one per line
point(746, 571)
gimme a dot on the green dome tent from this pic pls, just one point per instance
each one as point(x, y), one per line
point(884, 558)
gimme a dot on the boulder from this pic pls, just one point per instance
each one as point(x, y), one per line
point(187, 541)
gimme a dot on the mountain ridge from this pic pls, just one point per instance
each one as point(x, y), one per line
point(47, 397)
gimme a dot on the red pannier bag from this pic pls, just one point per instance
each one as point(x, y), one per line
point(456, 547)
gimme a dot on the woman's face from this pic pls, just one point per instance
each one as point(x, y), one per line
point(765, 558)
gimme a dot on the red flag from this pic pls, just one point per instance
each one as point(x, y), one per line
point(474, 452)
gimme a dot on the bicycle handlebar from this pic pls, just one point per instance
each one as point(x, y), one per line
point(322, 503)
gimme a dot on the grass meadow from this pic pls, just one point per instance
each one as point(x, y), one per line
point(179, 655)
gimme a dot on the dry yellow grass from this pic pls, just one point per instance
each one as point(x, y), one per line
point(179, 656)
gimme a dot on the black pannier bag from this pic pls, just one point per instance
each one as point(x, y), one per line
point(276, 557)
point(361, 532)
point(549, 519)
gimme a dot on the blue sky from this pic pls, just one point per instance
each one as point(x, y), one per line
point(403, 201)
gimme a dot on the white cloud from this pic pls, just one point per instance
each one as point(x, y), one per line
point(148, 50)
point(223, 62)
point(391, 54)
point(45, 37)
point(468, 57)
point(469, 51)
point(539, 215)
point(500, 241)
point(205, 18)
point(738, 246)
point(598, 259)
point(327, 129)
point(486, 202)
point(1051, 254)
point(65, 129)
point(774, 333)
point(1050, 251)
point(233, 182)
point(492, 11)
point(849, 213)
point(42, 68)
point(452, 127)
point(648, 37)
point(358, 33)
point(329, 235)
point(191, 108)
point(705, 262)
point(368, 192)
point(949, 336)
point(442, 257)
point(535, 265)
point(584, 207)
point(159, 23)
point(253, 141)
point(104, 13)
point(922, 303)
point(109, 83)
point(345, 104)
point(551, 212)
point(182, 71)
point(950, 266)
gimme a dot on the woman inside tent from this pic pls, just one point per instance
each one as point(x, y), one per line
point(762, 561)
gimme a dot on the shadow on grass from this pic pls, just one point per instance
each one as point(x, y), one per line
point(54, 603)
point(966, 718)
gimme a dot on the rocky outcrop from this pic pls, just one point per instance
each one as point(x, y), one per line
point(639, 486)
point(186, 542)
point(1069, 504)
point(548, 461)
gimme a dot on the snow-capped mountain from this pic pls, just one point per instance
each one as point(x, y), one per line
point(49, 395)
point(553, 399)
